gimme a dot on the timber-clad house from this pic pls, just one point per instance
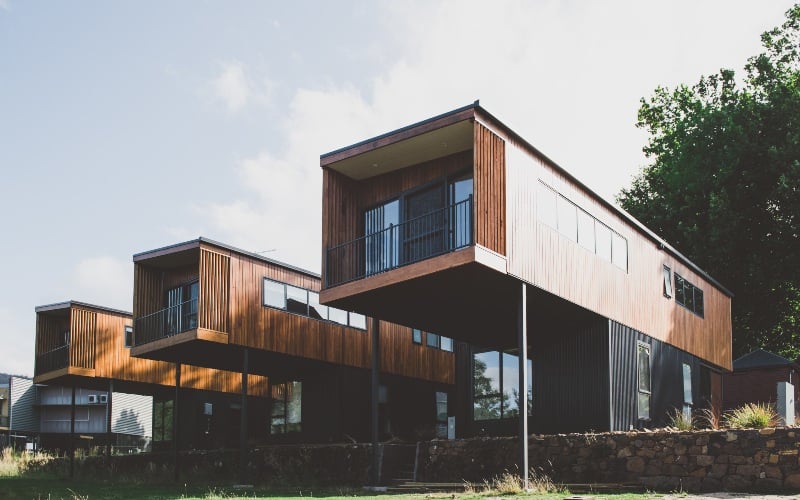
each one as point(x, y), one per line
point(458, 226)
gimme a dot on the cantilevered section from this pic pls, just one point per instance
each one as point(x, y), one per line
point(435, 224)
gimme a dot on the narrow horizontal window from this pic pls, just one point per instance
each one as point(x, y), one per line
point(358, 321)
point(274, 294)
point(688, 295)
point(305, 302)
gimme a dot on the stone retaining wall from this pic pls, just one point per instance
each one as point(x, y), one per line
point(734, 460)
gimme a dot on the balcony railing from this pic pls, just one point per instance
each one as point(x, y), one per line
point(52, 360)
point(165, 323)
point(435, 233)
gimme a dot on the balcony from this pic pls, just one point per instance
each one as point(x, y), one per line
point(413, 240)
point(166, 323)
point(55, 359)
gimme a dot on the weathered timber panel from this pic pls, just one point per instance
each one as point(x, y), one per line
point(543, 257)
point(489, 190)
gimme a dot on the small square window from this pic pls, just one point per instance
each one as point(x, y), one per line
point(416, 335)
point(446, 344)
point(128, 336)
point(432, 340)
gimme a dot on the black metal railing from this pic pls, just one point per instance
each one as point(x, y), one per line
point(165, 323)
point(435, 233)
point(54, 359)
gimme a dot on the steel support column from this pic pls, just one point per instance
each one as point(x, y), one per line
point(175, 433)
point(109, 402)
point(72, 434)
point(375, 476)
point(522, 344)
point(243, 422)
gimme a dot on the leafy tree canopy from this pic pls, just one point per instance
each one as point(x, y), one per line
point(722, 184)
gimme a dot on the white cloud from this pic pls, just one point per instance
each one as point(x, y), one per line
point(104, 281)
point(566, 78)
point(5, 4)
point(235, 88)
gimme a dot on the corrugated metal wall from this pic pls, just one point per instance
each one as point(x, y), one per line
point(570, 378)
point(666, 378)
point(132, 414)
point(23, 397)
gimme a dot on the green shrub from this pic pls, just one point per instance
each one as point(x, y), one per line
point(751, 416)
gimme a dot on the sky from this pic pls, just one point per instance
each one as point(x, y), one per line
point(126, 126)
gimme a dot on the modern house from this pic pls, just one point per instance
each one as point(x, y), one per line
point(18, 421)
point(83, 357)
point(755, 379)
point(209, 304)
point(457, 225)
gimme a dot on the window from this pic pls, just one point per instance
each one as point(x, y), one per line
point(687, 384)
point(383, 238)
point(441, 414)
point(586, 230)
point(603, 241)
point(619, 251)
point(643, 375)
point(287, 403)
point(182, 308)
point(432, 340)
point(416, 335)
point(128, 336)
point(274, 294)
point(495, 386)
point(688, 295)
point(667, 282)
point(548, 213)
point(567, 218)
point(162, 420)
point(446, 344)
point(305, 302)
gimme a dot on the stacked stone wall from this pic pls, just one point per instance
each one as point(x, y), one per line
point(731, 460)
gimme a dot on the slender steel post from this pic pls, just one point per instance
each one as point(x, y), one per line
point(243, 425)
point(375, 394)
point(175, 439)
point(109, 401)
point(522, 343)
point(72, 434)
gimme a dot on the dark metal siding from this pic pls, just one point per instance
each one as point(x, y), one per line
point(570, 378)
point(666, 375)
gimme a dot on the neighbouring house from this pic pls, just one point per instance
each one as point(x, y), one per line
point(565, 304)
point(209, 304)
point(755, 378)
point(119, 400)
point(18, 423)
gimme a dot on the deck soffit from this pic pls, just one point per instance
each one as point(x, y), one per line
point(444, 141)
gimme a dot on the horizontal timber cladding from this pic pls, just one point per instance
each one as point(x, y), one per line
point(544, 257)
point(570, 376)
point(666, 369)
point(489, 190)
point(214, 288)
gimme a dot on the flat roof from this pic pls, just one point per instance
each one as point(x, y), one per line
point(478, 109)
point(70, 303)
point(186, 245)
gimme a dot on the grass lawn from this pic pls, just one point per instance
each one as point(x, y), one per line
point(51, 488)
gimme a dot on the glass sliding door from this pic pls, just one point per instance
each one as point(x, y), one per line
point(460, 193)
point(382, 243)
point(424, 233)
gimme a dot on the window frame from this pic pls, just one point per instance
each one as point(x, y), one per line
point(666, 278)
point(348, 318)
point(128, 338)
point(644, 347)
point(416, 336)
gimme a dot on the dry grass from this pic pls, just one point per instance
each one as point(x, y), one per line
point(13, 464)
point(511, 484)
point(708, 418)
point(680, 421)
point(751, 416)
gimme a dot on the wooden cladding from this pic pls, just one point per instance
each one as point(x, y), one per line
point(148, 290)
point(214, 287)
point(83, 329)
point(542, 256)
point(489, 190)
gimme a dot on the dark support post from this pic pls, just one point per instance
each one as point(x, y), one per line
point(109, 401)
point(522, 343)
point(175, 420)
point(72, 434)
point(375, 394)
point(243, 426)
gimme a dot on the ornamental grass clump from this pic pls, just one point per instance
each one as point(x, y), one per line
point(680, 421)
point(751, 416)
point(511, 484)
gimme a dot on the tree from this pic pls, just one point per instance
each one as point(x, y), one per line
point(723, 185)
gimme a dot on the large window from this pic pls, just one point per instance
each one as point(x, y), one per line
point(182, 308)
point(688, 295)
point(643, 376)
point(287, 408)
point(419, 223)
point(305, 302)
point(495, 385)
point(162, 420)
point(581, 227)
